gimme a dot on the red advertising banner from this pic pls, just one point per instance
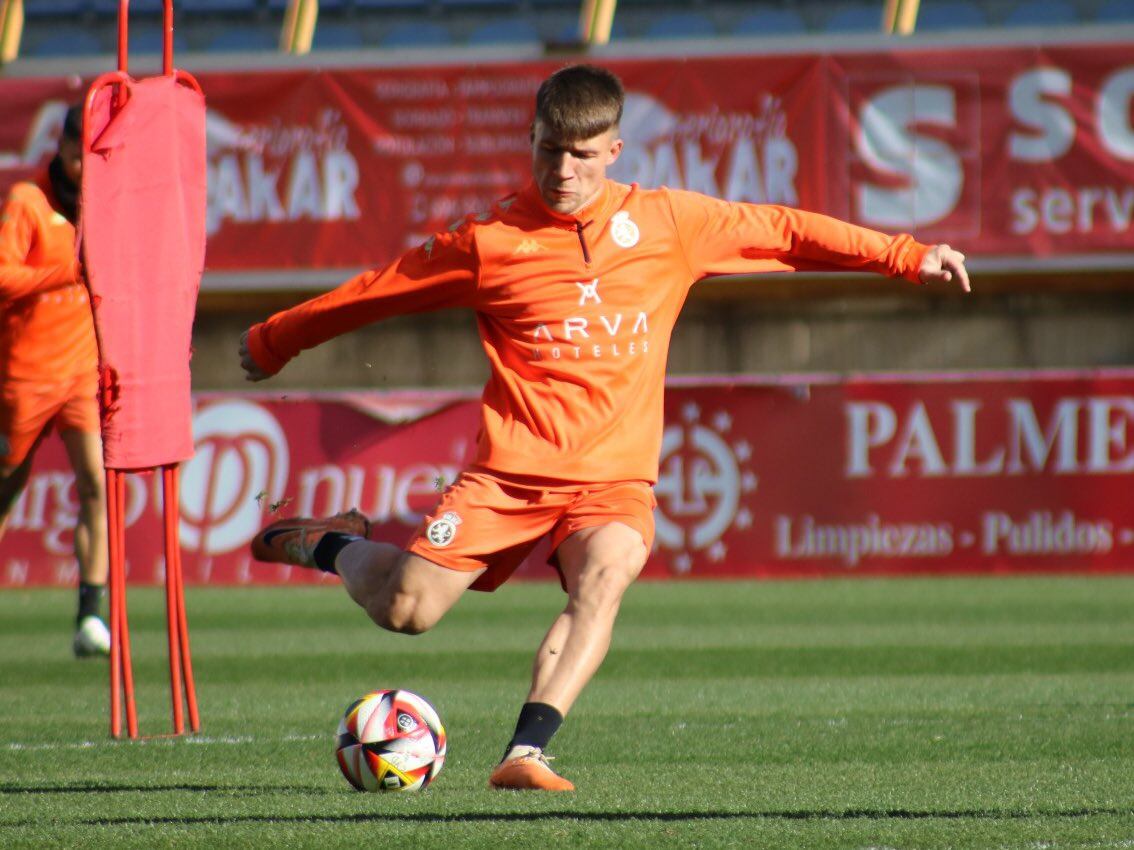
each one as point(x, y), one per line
point(808, 477)
point(1011, 152)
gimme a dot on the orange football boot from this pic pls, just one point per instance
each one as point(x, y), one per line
point(528, 772)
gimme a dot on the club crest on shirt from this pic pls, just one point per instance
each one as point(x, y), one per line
point(442, 530)
point(623, 231)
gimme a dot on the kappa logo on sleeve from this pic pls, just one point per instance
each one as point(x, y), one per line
point(623, 231)
point(528, 246)
point(442, 530)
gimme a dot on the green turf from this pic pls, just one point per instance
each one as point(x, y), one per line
point(974, 713)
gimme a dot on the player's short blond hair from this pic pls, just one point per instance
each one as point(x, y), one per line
point(580, 102)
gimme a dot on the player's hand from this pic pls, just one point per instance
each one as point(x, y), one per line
point(942, 264)
point(252, 372)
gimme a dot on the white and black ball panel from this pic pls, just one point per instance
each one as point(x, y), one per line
point(390, 740)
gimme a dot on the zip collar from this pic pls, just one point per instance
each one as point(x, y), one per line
point(593, 216)
point(587, 223)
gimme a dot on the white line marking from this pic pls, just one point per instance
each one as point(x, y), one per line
point(206, 740)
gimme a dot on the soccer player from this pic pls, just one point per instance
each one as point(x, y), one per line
point(576, 282)
point(49, 363)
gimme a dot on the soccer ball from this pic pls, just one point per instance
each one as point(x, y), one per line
point(390, 740)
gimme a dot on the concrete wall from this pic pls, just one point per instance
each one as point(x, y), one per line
point(740, 327)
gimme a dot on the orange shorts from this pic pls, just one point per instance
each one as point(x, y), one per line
point(494, 522)
point(29, 408)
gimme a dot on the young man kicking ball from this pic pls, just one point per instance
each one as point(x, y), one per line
point(576, 282)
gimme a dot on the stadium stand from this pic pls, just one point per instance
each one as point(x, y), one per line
point(856, 18)
point(147, 38)
point(1115, 11)
point(680, 25)
point(497, 5)
point(950, 15)
point(504, 31)
point(325, 6)
point(412, 5)
point(53, 8)
point(65, 39)
point(568, 31)
point(242, 6)
point(1047, 13)
point(421, 34)
point(254, 25)
point(234, 37)
point(770, 21)
point(338, 35)
point(137, 7)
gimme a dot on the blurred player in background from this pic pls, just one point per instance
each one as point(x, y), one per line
point(49, 363)
point(576, 282)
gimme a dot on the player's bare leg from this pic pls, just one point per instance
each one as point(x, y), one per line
point(13, 479)
point(85, 453)
point(84, 450)
point(399, 591)
point(598, 565)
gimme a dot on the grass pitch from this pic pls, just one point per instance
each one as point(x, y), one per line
point(975, 713)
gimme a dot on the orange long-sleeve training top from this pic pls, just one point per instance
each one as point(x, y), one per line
point(576, 312)
point(46, 328)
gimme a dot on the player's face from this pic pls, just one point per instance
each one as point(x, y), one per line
point(71, 154)
point(570, 173)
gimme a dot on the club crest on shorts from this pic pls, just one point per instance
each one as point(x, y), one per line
point(623, 231)
point(442, 530)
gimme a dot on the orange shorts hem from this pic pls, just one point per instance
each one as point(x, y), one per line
point(485, 521)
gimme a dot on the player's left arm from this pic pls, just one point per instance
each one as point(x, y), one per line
point(720, 237)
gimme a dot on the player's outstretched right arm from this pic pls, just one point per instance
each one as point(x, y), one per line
point(443, 272)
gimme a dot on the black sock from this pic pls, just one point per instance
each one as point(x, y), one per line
point(538, 722)
point(327, 549)
point(90, 600)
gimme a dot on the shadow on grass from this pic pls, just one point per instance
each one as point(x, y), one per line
point(102, 788)
point(519, 817)
point(592, 817)
point(598, 817)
